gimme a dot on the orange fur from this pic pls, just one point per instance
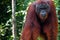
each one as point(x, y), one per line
point(32, 27)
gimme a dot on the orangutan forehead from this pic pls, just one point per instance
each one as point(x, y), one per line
point(43, 5)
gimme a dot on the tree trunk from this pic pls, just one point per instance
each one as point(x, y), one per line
point(13, 20)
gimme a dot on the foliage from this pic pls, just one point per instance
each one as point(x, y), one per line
point(5, 18)
point(4, 14)
point(40, 38)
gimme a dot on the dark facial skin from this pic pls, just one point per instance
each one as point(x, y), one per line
point(42, 10)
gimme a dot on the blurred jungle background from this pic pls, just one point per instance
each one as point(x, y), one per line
point(20, 14)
